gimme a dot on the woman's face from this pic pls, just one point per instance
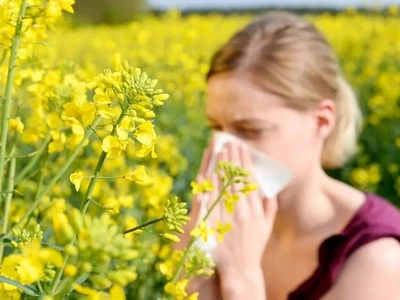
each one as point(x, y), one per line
point(295, 139)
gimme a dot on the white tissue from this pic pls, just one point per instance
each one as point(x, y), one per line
point(271, 178)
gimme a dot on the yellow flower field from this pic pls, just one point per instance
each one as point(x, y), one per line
point(177, 50)
point(102, 131)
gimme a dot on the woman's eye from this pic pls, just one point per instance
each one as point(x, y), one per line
point(251, 133)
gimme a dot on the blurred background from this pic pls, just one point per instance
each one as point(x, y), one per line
point(117, 11)
point(174, 40)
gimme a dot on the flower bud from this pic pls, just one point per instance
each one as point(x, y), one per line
point(100, 282)
point(87, 267)
point(71, 250)
point(171, 237)
point(70, 270)
point(129, 255)
point(75, 218)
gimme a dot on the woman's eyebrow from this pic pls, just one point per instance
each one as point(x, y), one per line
point(246, 121)
point(254, 121)
point(211, 119)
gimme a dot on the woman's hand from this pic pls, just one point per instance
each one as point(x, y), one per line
point(208, 287)
point(238, 257)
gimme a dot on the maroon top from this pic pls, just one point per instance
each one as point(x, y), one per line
point(375, 219)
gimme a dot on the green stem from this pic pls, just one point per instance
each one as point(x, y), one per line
point(100, 162)
point(32, 162)
point(85, 204)
point(7, 207)
point(109, 177)
point(59, 273)
point(54, 180)
point(193, 239)
point(142, 225)
point(92, 183)
point(39, 185)
point(9, 90)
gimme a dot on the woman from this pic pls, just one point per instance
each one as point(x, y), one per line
point(277, 85)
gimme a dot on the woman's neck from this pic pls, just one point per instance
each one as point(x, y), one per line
point(305, 209)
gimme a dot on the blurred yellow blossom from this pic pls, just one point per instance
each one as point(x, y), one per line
point(70, 270)
point(222, 229)
point(114, 146)
point(202, 230)
point(139, 176)
point(81, 110)
point(146, 135)
point(76, 178)
point(15, 125)
point(29, 266)
point(117, 292)
point(202, 187)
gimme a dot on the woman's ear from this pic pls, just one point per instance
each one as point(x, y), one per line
point(325, 114)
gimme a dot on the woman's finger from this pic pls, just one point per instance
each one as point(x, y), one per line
point(270, 207)
point(205, 161)
point(253, 198)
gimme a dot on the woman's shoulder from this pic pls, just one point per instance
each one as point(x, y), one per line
point(369, 249)
point(377, 214)
point(375, 227)
point(375, 220)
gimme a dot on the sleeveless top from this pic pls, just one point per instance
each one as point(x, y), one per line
point(376, 218)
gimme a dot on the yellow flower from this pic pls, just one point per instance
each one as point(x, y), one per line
point(169, 266)
point(8, 291)
point(15, 125)
point(126, 201)
point(229, 202)
point(111, 205)
point(63, 230)
point(117, 292)
point(114, 146)
point(55, 7)
point(70, 270)
point(76, 178)
point(177, 290)
point(127, 123)
point(105, 111)
point(247, 189)
point(28, 267)
point(53, 121)
point(101, 97)
point(205, 186)
point(222, 229)
point(57, 143)
point(194, 296)
point(202, 230)
point(81, 110)
point(146, 135)
point(139, 176)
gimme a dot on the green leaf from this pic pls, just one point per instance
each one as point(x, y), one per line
point(29, 290)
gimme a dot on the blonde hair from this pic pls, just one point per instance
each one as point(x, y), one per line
point(286, 55)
